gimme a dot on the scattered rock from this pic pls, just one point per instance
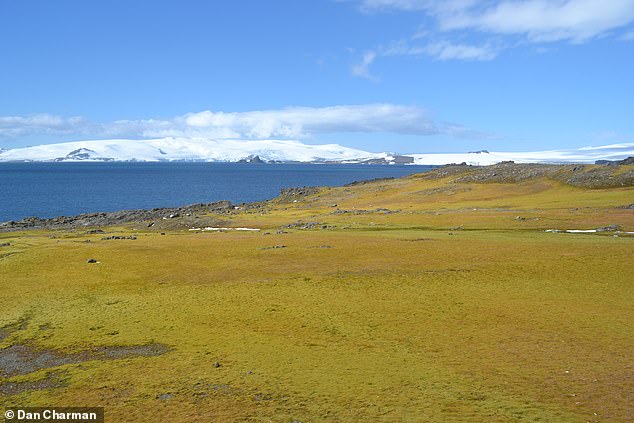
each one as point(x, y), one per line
point(217, 364)
point(416, 239)
point(273, 247)
point(609, 228)
point(107, 238)
point(303, 225)
point(293, 194)
point(362, 211)
point(164, 397)
point(369, 181)
point(262, 397)
point(95, 231)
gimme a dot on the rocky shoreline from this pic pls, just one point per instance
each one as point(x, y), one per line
point(608, 175)
point(158, 218)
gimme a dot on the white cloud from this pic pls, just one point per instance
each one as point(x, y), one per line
point(544, 21)
point(288, 123)
point(12, 126)
point(449, 23)
point(447, 51)
point(299, 122)
point(537, 20)
point(362, 69)
point(439, 50)
point(371, 5)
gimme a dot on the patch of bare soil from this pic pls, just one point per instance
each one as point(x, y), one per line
point(23, 359)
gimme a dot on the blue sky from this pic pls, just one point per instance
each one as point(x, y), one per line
point(380, 75)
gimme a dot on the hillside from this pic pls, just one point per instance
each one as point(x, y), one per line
point(443, 296)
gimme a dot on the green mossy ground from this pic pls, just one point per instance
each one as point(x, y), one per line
point(449, 309)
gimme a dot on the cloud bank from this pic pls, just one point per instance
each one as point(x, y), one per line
point(538, 20)
point(288, 123)
point(478, 30)
point(15, 126)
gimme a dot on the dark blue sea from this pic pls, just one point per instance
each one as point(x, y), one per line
point(65, 189)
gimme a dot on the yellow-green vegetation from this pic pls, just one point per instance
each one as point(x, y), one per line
point(414, 299)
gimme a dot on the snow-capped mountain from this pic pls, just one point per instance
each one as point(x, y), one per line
point(483, 158)
point(186, 149)
point(256, 151)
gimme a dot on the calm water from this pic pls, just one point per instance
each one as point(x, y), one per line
point(57, 189)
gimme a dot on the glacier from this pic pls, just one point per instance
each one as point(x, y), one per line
point(210, 150)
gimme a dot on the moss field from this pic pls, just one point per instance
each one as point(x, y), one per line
point(406, 300)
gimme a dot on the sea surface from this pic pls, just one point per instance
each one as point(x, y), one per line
point(65, 189)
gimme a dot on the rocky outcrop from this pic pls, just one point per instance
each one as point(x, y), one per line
point(295, 194)
point(587, 176)
point(628, 161)
point(155, 218)
point(83, 154)
point(369, 181)
point(251, 159)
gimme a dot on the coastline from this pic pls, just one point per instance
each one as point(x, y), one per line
point(605, 175)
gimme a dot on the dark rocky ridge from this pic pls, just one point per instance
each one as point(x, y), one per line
point(628, 161)
point(586, 176)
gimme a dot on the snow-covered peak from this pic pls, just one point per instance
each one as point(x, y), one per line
point(202, 149)
point(186, 149)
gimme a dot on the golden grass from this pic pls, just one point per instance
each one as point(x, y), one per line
point(386, 317)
